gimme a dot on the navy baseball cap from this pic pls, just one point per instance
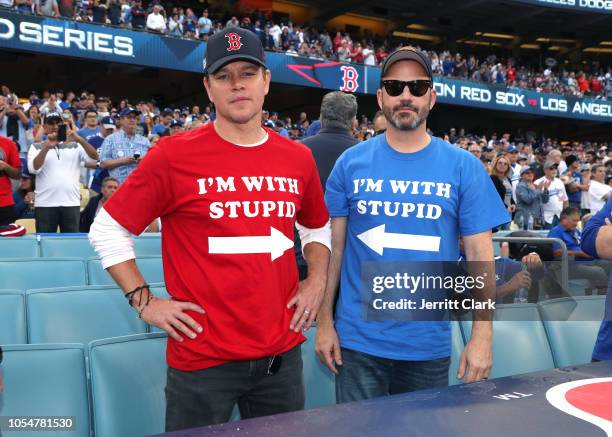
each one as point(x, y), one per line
point(108, 123)
point(52, 116)
point(128, 110)
point(408, 54)
point(512, 149)
point(230, 45)
point(175, 123)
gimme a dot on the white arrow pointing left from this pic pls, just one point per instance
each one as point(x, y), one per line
point(377, 240)
point(276, 244)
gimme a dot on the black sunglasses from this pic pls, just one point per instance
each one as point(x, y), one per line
point(417, 88)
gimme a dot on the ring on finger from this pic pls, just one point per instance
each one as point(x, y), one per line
point(306, 311)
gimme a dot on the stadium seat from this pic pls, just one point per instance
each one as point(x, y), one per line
point(318, 380)
point(23, 273)
point(457, 345)
point(572, 324)
point(19, 247)
point(12, 317)
point(128, 377)
point(79, 315)
point(150, 266)
point(46, 380)
point(62, 246)
point(148, 245)
point(520, 344)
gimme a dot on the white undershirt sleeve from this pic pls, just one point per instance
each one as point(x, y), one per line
point(111, 241)
point(318, 235)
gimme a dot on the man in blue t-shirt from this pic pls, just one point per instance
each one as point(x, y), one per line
point(402, 197)
point(582, 265)
point(597, 242)
point(573, 181)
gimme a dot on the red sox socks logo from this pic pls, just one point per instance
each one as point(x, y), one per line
point(349, 79)
point(586, 399)
point(233, 41)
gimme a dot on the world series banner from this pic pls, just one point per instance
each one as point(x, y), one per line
point(596, 6)
point(108, 44)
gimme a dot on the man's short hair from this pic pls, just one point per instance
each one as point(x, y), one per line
point(338, 110)
point(109, 179)
point(167, 112)
point(570, 210)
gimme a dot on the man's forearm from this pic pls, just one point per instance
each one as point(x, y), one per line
point(40, 158)
point(112, 163)
point(317, 259)
point(126, 275)
point(13, 172)
point(89, 149)
point(338, 226)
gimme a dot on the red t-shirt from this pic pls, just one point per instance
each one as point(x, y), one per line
point(203, 186)
point(10, 155)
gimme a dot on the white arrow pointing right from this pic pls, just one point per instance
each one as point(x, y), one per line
point(377, 240)
point(276, 244)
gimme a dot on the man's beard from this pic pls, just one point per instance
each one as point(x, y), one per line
point(406, 122)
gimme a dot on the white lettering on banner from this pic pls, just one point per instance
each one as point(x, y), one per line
point(552, 104)
point(596, 4)
point(509, 99)
point(56, 36)
point(475, 94)
point(445, 90)
point(10, 29)
point(592, 109)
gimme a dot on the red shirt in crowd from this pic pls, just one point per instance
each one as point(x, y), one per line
point(10, 155)
point(596, 86)
point(203, 186)
point(583, 84)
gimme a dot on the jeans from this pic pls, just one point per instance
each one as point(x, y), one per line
point(207, 396)
point(364, 376)
point(49, 218)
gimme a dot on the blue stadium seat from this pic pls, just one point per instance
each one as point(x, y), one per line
point(19, 247)
point(24, 273)
point(128, 377)
point(79, 315)
point(519, 340)
point(318, 380)
point(12, 317)
point(571, 325)
point(457, 345)
point(62, 246)
point(148, 245)
point(46, 380)
point(150, 266)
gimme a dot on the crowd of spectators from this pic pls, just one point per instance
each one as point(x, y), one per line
point(579, 171)
point(592, 81)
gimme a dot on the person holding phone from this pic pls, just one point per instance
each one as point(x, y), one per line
point(56, 162)
point(122, 151)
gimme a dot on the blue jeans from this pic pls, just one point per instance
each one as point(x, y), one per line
point(364, 376)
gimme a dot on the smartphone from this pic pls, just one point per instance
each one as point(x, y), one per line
point(61, 133)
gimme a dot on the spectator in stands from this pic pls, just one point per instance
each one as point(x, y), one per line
point(109, 186)
point(582, 265)
point(599, 191)
point(156, 21)
point(10, 168)
point(48, 8)
point(162, 128)
point(107, 127)
point(529, 200)
point(380, 123)
point(23, 6)
point(551, 210)
point(176, 127)
point(175, 27)
point(14, 121)
point(90, 124)
point(585, 203)
point(125, 149)
point(24, 196)
point(137, 15)
point(56, 166)
point(573, 181)
point(204, 25)
point(500, 175)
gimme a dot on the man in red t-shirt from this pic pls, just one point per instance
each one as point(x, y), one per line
point(229, 195)
point(10, 168)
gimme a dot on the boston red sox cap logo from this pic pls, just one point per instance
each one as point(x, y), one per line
point(233, 41)
point(586, 399)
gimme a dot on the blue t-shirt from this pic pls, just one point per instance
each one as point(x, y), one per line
point(570, 238)
point(603, 346)
point(159, 129)
point(575, 197)
point(87, 132)
point(449, 191)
